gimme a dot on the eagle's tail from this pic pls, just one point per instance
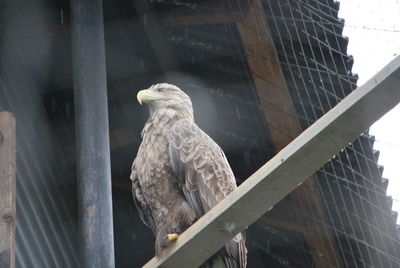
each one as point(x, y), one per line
point(232, 255)
point(235, 252)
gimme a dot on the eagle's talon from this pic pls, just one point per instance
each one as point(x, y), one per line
point(171, 237)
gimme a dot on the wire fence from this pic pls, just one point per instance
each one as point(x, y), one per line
point(312, 53)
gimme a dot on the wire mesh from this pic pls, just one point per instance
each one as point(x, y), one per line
point(312, 54)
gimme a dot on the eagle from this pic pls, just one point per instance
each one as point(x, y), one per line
point(179, 172)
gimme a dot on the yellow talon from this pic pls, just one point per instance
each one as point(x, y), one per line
point(172, 237)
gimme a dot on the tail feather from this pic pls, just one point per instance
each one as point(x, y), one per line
point(232, 255)
point(235, 252)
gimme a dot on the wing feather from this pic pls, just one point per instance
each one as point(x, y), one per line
point(200, 164)
point(140, 202)
point(205, 177)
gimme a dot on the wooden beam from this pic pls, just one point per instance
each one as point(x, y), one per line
point(282, 223)
point(283, 124)
point(123, 184)
point(151, 24)
point(7, 190)
point(230, 17)
point(288, 169)
point(119, 138)
point(268, 77)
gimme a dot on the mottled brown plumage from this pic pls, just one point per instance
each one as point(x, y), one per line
point(179, 172)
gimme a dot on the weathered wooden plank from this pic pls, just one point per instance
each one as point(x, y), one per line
point(288, 169)
point(7, 190)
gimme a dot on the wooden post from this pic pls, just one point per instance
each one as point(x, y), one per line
point(7, 190)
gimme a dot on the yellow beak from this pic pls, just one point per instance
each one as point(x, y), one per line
point(146, 96)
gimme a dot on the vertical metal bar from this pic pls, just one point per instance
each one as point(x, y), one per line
point(92, 134)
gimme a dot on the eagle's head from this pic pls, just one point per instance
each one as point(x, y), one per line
point(166, 96)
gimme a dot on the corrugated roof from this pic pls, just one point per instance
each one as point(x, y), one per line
point(46, 199)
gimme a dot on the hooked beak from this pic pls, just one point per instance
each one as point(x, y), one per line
point(147, 96)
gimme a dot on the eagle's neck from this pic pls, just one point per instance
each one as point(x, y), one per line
point(163, 119)
point(172, 109)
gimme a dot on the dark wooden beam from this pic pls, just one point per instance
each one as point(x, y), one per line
point(151, 26)
point(125, 184)
point(230, 17)
point(282, 224)
point(282, 120)
point(119, 138)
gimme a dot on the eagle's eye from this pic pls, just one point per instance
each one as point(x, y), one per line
point(161, 90)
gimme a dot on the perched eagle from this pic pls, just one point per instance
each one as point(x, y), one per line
point(179, 172)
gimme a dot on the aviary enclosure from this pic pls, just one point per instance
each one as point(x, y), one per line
point(258, 73)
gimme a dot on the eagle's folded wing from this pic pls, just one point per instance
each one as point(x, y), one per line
point(140, 202)
point(200, 166)
point(205, 176)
